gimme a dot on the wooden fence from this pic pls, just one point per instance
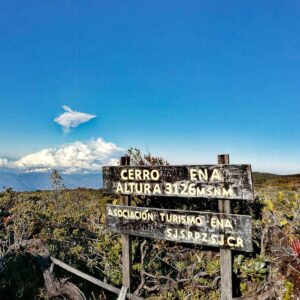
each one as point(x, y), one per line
point(121, 292)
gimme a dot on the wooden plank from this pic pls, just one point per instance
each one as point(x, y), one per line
point(225, 254)
point(92, 279)
point(126, 241)
point(133, 297)
point(123, 293)
point(201, 181)
point(203, 228)
point(87, 277)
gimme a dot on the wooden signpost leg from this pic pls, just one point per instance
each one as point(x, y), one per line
point(225, 254)
point(126, 242)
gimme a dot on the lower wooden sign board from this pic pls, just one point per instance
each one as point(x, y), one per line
point(202, 228)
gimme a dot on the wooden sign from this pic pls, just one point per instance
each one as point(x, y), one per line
point(203, 228)
point(205, 181)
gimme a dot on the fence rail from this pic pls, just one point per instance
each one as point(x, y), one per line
point(93, 280)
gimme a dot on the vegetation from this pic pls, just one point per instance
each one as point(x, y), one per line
point(71, 224)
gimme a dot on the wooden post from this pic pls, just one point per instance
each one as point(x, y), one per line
point(126, 242)
point(123, 293)
point(225, 254)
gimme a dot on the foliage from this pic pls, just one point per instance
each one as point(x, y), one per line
point(12, 277)
point(137, 158)
point(56, 180)
point(71, 224)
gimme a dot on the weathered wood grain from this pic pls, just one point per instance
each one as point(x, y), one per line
point(126, 240)
point(225, 254)
point(203, 228)
point(201, 181)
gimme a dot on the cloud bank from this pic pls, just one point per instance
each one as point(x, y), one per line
point(71, 118)
point(3, 162)
point(76, 157)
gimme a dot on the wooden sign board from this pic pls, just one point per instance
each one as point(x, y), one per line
point(203, 228)
point(205, 181)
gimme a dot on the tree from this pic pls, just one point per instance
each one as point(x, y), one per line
point(56, 180)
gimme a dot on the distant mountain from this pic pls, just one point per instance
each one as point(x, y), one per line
point(41, 181)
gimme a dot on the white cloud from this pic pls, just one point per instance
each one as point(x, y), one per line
point(3, 162)
point(71, 118)
point(70, 158)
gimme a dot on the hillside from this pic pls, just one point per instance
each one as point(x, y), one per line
point(269, 184)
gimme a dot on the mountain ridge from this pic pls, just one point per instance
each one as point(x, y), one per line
point(41, 181)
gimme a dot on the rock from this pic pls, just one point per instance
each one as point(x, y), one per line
point(26, 270)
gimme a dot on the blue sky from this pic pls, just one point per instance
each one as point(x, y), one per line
point(183, 79)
